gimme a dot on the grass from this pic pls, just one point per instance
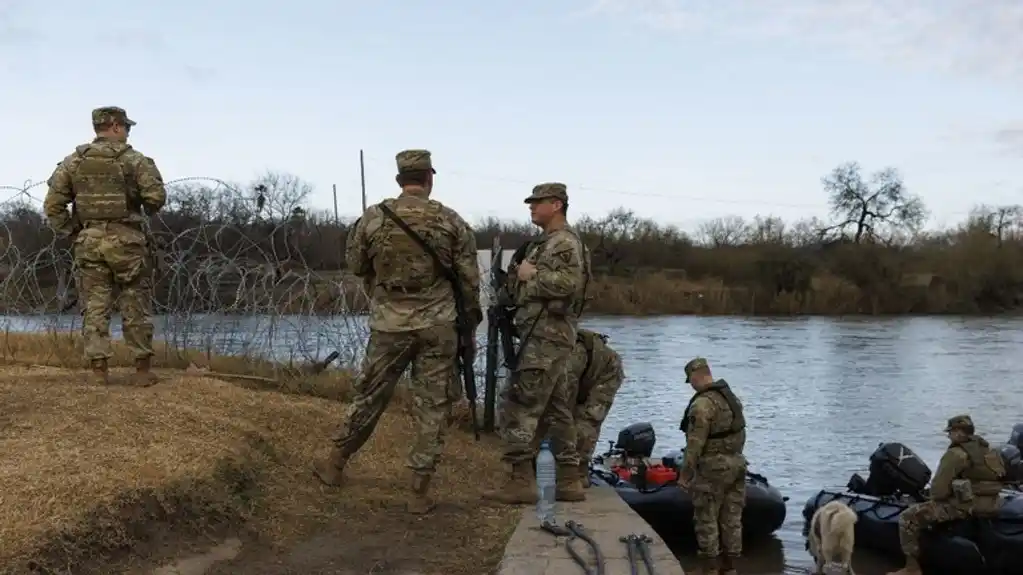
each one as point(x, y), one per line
point(110, 478)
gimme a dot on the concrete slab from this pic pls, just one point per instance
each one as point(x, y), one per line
point(532, 551)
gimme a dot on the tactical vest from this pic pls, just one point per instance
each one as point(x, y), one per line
point(572, 305)
point(738, 419)
point(399, 263)
point(986, 468)
point(100, 184)
point(588, 339)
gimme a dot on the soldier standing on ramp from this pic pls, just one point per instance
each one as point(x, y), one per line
point(714, 470)
point(548, 289)
point(109, 184)
point(412, 320)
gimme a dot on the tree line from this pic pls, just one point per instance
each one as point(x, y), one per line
point(870, 255)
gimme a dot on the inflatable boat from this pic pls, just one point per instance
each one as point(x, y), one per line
point(649, 487)
point(898, 479)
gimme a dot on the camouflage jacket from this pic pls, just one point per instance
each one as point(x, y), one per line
point(408, 291)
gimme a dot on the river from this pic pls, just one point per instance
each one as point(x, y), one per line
point(820, 393)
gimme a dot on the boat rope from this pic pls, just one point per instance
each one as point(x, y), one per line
point(574, 531)
point(638, 547)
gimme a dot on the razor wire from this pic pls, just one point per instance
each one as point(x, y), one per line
point(231, 285)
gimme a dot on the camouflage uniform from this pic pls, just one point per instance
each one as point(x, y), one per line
point(546, 318)
point(971, 460)
point(108, 183)
point(412, 322)
point(594, 375)
point(715, 429)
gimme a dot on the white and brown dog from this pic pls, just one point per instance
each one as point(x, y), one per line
point(832, 538)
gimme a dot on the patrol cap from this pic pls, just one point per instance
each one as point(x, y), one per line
point(693, 365)
point(962, 422)
point(414, 161)
point(109, 115)
point(549, 191)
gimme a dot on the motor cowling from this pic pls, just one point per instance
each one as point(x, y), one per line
point(896, 469)
point(637, 440)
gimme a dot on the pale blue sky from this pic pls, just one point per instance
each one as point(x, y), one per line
point(682, 111)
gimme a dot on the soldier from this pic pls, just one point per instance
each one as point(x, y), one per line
point(714, 469)
point(966, 483)
point(594, 375)
point(109, 183)
point(412, 321)
point(548, 288)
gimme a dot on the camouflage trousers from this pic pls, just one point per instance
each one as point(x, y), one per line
point(589, 415)
point(113, 257)
point(719, 496)
point(923, 516)
point(432, 354)
point(537, 393)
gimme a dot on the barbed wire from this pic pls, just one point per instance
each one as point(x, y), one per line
point(242, 287)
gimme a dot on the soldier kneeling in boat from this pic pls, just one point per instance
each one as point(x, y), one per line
point(966, 483)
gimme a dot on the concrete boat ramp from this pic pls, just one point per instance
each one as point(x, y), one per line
point(605, 518)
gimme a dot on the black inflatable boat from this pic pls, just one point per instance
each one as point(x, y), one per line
point(898, 479)
point(651, 490)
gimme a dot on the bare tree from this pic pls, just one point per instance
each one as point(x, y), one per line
point(873, 210)
point(726, 231)
point(766, 230)
point(1001, 222)
point(275, 196)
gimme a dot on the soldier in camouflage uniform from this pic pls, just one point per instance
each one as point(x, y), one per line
point(109, 184)
point(412, 320)
point(594, 375)
point(966, 483)
point(714, 470)
point(548, 289)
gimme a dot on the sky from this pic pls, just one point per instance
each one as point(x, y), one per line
point(681, 111)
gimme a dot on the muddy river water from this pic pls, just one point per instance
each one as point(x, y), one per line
point(821, 393)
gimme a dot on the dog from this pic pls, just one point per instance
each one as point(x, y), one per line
point(831, 539)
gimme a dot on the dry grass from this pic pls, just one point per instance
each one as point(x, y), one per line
point(94, 475)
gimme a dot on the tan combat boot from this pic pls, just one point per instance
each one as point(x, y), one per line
point(584, 473)
point(727, 565)
point(98, 373)
point(143, 376)
point(569, 486)
point(421, 502)
point(519, 487)
point(911, 568)
point(331, 470)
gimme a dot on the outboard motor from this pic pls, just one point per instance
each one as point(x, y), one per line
point(1016, 437)
point(673, 459)
point(895, 469)
point(637, 440)
point(1013, 460)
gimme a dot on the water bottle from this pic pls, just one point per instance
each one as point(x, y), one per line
point(546, 483)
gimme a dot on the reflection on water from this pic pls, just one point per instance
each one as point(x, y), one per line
point(820, 393)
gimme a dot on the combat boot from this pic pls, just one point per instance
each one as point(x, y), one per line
point(421, 502)
point(727, 565)
point(707, 566)
point(143, 376)
point(911, 568)
point(569, 487)
point(98, 373)
point(584, 473)
point(518, 488)
point(331, 470)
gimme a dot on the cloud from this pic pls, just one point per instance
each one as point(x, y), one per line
point(1010, 139)
point(963, 36)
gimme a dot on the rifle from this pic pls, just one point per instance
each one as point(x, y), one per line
point(463, 324)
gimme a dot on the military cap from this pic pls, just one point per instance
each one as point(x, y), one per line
point(550, 190)
point(414, 161)
point(693, 365)
point(109, 115)
point(963, 422)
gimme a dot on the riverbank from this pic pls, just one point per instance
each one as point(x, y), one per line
point(113, 478)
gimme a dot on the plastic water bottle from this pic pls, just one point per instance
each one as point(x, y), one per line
point(546, 483)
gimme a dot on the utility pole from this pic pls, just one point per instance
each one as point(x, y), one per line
point(362, 177)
